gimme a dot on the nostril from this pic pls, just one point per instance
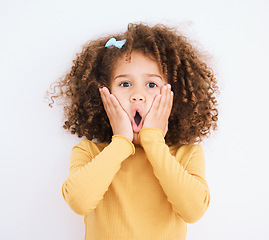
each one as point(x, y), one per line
point(140, 99)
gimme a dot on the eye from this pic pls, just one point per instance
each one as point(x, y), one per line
point(125, 84)
point(151, 85)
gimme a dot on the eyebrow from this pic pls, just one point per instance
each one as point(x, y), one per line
point(147, 75)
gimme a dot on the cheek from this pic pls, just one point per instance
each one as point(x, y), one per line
point(123, 100)
point(151, 98)
point(154, 93)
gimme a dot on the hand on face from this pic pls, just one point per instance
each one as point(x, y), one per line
point(118, 118)
point(157, 117)
point(160, 110)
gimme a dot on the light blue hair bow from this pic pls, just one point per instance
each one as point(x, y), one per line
point(114, 42)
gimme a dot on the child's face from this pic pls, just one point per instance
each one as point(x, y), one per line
point(135, 84)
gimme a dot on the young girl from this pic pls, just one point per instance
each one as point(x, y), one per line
point(141, 99)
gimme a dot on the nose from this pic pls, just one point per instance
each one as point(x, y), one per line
point(137, 97)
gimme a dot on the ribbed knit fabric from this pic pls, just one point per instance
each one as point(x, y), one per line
point(144, 192)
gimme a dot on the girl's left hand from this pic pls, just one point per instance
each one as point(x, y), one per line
point(160, 110)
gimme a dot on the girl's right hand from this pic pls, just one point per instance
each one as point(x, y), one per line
point(118, 118)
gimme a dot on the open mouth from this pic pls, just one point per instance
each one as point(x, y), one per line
point(137, 118)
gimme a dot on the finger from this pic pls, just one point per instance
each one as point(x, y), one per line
point(115, 102)
point(169, 97)
point(166, 101)
point(105, 95)
point(156, 102)
point(168, 93)
point(163, 102)
point(171, 100)
point(102, 94)
point(111, 99)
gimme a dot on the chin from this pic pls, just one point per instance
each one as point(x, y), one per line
point(135, 139)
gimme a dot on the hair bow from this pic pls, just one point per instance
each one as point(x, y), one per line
point(114, 42)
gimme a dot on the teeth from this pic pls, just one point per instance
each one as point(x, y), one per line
point(137, 118)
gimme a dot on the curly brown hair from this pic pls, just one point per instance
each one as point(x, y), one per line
point(194, 113)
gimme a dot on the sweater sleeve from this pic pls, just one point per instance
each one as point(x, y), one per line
point(184, 184)
point(92, 171)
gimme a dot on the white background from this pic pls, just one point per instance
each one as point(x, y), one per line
point(39, 40)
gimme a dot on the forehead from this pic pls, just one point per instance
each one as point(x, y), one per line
point(139, 63)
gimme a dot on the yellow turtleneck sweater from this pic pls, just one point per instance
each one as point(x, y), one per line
point(144, 192)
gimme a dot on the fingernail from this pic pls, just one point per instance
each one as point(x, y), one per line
point(168, 85)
